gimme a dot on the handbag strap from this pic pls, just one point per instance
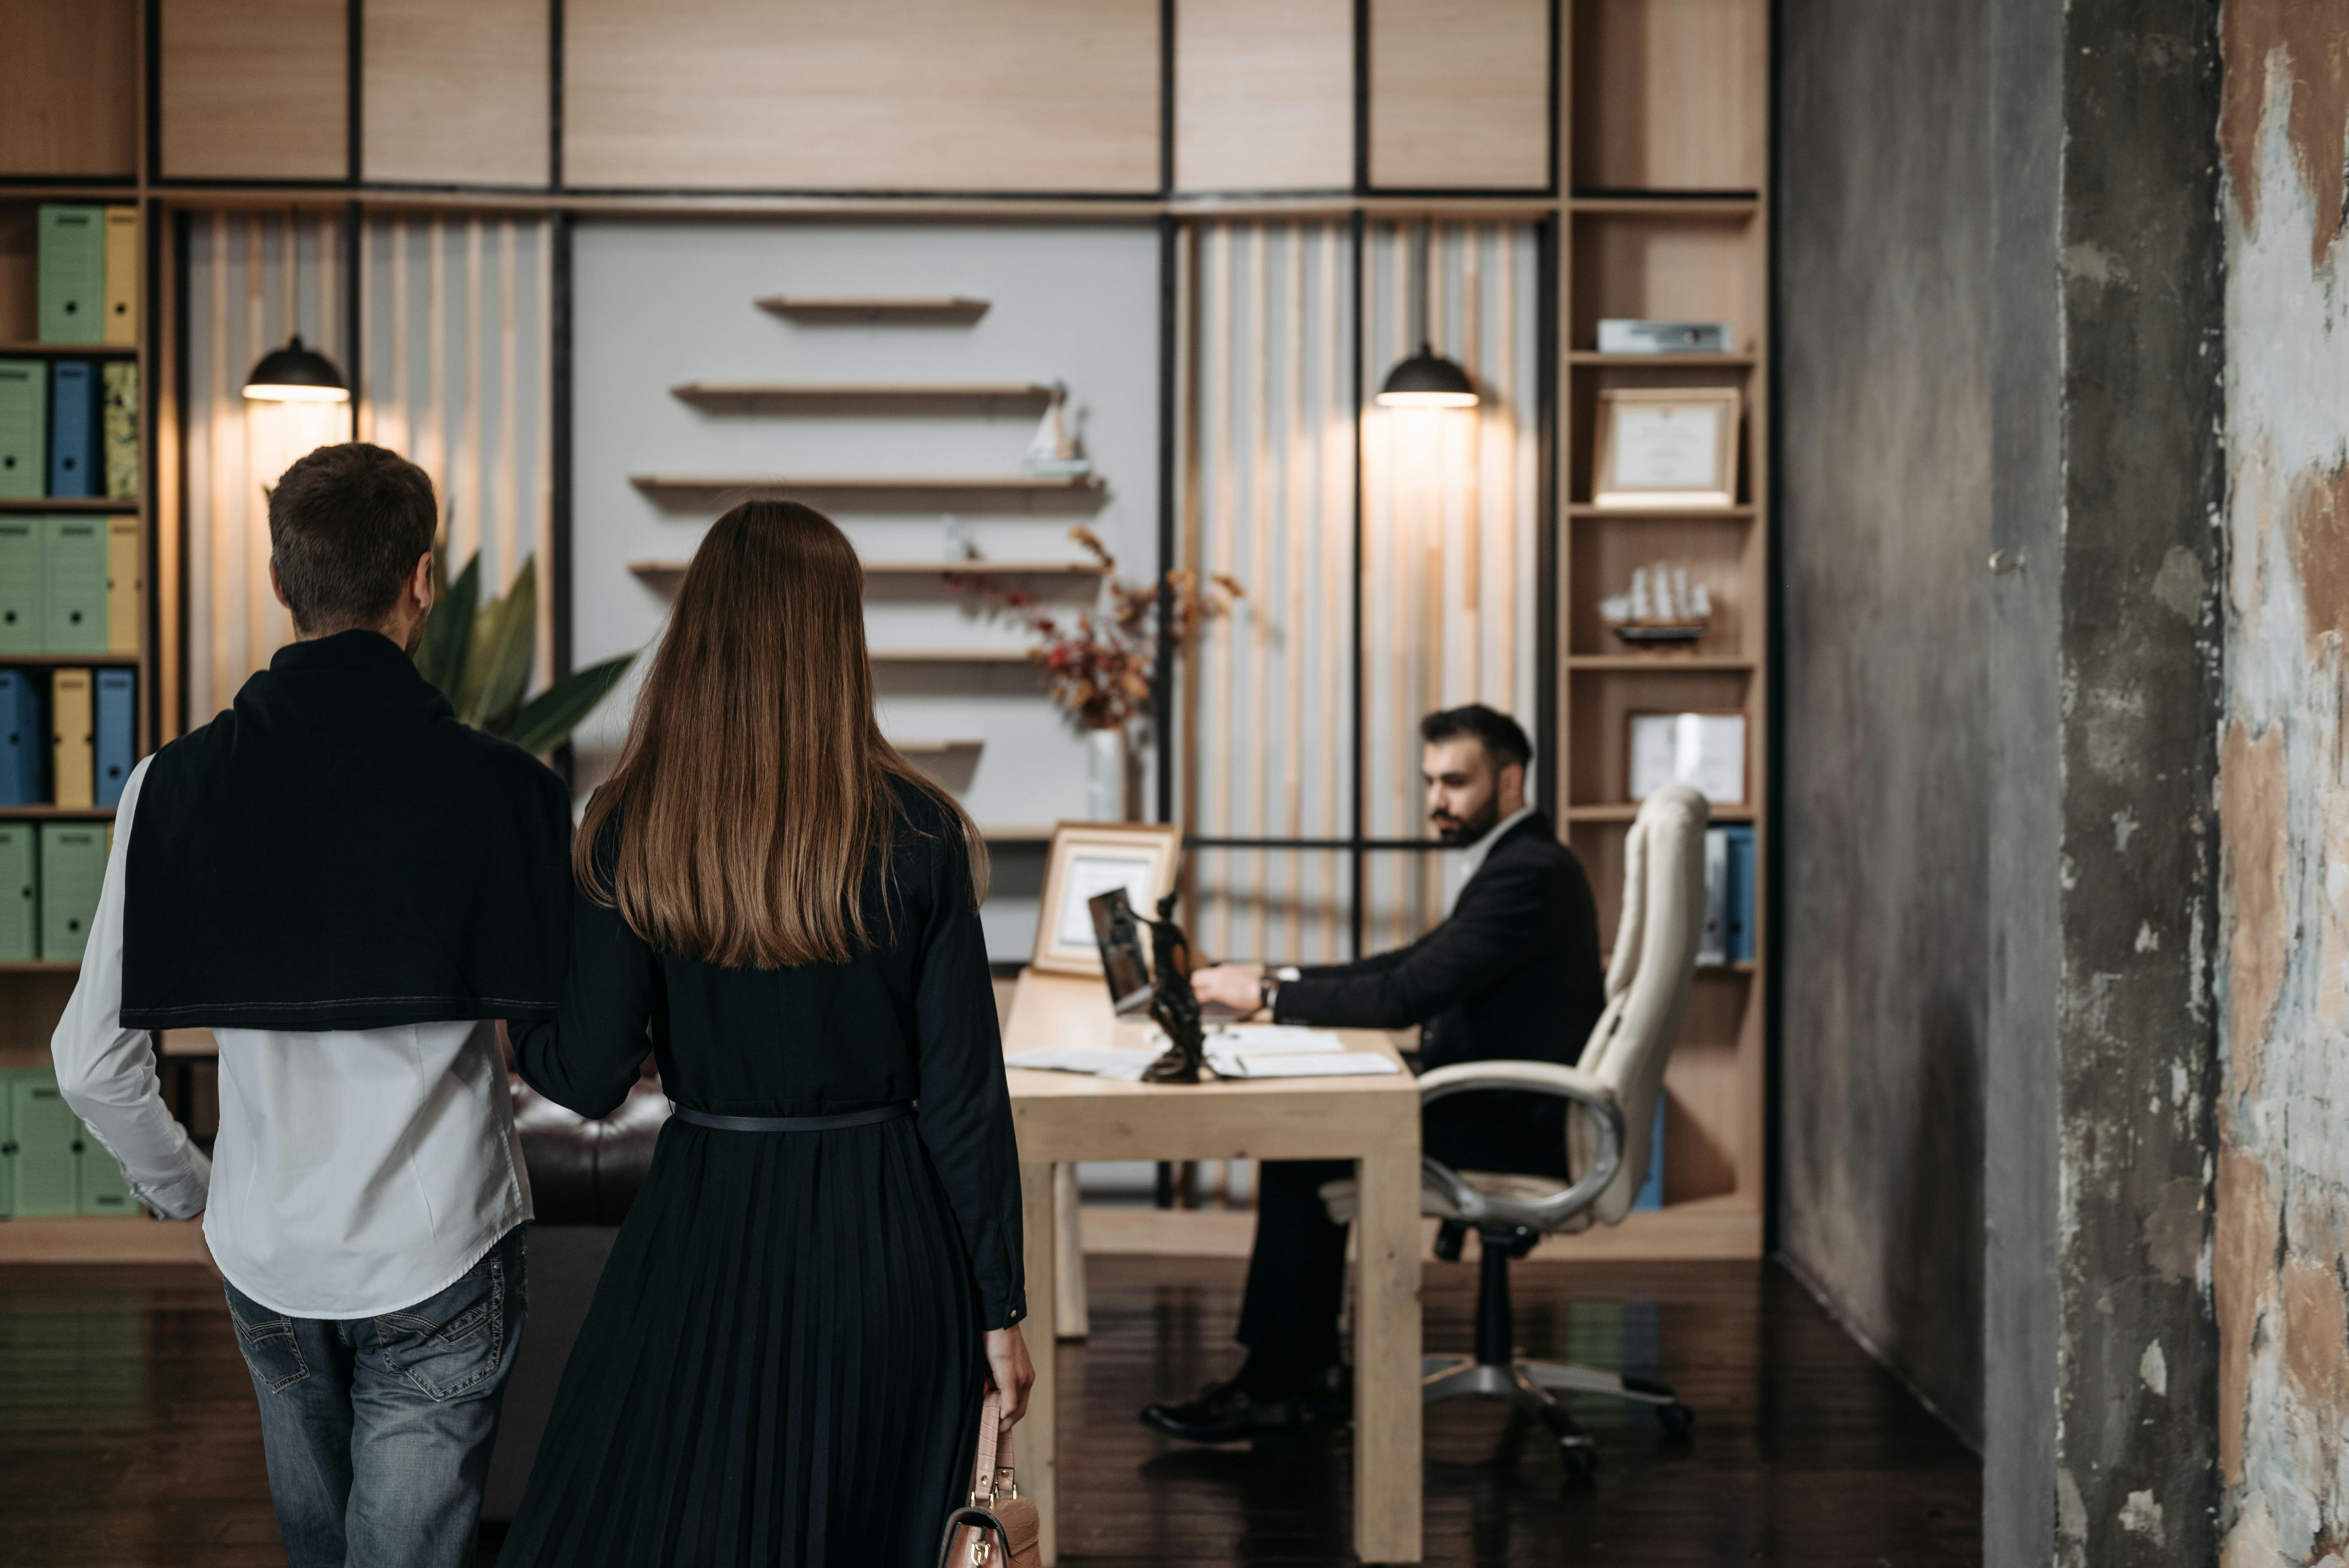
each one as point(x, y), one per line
point(991, 1470)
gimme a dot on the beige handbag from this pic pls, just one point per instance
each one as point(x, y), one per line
point(996, 1508)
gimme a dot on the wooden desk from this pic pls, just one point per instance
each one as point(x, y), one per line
point(1062, 1117)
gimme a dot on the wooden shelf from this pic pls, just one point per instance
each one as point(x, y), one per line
point(20, 350)
point(1658, 664)
point(72, 503)
point(1693, 205)
point(949, 657)
point(1585, 509)
point(99, 1239)
point(993, 492)
point(935, 747)
point(43, 966)
point(666, 572)
point(861, 310)
point(56, 813)
point(1627, 811)
point(1016, 835)
point(1663, 361)
point(69, 661)
point(848, 398)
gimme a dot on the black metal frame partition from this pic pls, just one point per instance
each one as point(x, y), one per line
point(1357, 845)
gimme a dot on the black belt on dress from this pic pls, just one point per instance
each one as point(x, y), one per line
point(890, 1112)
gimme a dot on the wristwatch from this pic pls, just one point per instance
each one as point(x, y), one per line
point(1268, 985)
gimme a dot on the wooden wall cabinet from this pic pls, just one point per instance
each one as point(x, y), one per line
point(1460, 95)
point(256, 89)
point(454, 92)
point(69, 89)
point(885, 94)
point(1264, 94)
point(1671, 95)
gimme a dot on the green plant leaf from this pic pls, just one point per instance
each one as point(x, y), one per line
point(547, 719)
point(497, 668)
point(441, 657)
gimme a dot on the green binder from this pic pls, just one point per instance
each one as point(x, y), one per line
point(101, 1187)
point(48, 1178)
point(73, 870)
point(20, 894)
point(73, 586)
point(73, 274)
point(23, 429)
point(20, 584)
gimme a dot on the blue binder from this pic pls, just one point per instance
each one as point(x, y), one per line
point(1740, 911)
point(116, 727)
point(1652, 1190)
point(21, 732)
point(74, 429)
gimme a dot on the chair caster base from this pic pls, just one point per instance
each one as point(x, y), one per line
point(1677, 1419)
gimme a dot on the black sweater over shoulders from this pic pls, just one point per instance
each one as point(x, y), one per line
point(910, 1018)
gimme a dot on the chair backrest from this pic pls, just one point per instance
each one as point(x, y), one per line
point(1648, 982)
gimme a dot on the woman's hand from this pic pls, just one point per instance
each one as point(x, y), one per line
point(1009, 1373)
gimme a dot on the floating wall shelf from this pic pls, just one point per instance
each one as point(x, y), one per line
point(936, 397)
point(936, 748)
point(1000, 492)
point(866, 310)
point(949, 657)
point(122, 503)
point(664, 573)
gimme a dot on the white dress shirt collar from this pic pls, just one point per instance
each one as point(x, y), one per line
point(1472, 859)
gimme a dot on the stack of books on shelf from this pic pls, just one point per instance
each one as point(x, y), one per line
point(49, 1164)
point(69, 426)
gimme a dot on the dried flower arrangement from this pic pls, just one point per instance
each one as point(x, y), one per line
point(1101, 663)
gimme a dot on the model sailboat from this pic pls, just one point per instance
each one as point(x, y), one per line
point(1053, 452)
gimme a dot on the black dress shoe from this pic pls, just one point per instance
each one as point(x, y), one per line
point(1227, 1413)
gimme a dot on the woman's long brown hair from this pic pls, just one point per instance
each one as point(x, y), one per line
point(754, 789)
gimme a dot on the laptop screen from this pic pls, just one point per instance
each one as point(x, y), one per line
point(1118, 937)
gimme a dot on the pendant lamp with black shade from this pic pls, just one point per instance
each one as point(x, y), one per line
point(296, 374)
point(1426, 379)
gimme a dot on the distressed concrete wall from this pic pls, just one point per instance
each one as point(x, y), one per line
point(2282, 1230)
point(1884, 193)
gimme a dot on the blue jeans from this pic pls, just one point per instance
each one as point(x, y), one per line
point(377, 1429)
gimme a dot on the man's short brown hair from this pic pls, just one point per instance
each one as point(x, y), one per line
point(347, 525)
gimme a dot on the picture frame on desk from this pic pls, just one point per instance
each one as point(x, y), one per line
point(1668, 447)
point(1705, 748)
point(1089, 858)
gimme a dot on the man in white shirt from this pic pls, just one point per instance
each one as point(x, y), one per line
point(349, 888)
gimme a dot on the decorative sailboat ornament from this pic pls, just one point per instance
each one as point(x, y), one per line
point(1053, 452)
point(1662, 611)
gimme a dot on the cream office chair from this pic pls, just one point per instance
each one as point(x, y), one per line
point(1610, 1117)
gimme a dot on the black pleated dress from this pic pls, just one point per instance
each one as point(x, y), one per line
point(782, 1363)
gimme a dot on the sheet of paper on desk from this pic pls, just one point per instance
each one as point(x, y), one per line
point(1273, 1038)
point(1300, 1064)
point(1108, 1064)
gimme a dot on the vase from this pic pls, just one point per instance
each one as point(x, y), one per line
point(1105, 774)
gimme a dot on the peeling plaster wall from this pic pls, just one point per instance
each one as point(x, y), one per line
point(2282, 1225)
point(1884, 194)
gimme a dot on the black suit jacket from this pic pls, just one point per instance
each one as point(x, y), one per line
point(1513, 973)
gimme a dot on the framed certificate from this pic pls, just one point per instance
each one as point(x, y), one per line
point(1090, 858)
point(1705, 750)
point(1666, 447)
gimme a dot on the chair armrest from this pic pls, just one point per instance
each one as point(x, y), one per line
point(1570, 1084)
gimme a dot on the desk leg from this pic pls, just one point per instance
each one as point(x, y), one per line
point(1386, 1360)
point(1038, 1445)
point(1073, 1317)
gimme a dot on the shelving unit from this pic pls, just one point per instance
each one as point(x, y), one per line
point(870, 310)
point(909, 493)
point(1670, 221)
point(664, 573)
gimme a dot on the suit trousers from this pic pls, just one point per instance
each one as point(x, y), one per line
point(1297, 1273)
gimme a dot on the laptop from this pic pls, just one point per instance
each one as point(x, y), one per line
point(1117, 932)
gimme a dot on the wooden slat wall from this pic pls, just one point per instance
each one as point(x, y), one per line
point(256, 89)
point(1459, 94)
point(69, 87)
point(455, 92)
point(1448, 532)
point(1270, 502)
point(1264, 94)
point(943, 95)
point(254, 278)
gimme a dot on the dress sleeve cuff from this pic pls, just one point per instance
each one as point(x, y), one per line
point(184, 1196)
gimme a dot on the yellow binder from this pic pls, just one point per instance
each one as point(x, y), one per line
point(122, 585)
point(70, 728)
point(122, 274)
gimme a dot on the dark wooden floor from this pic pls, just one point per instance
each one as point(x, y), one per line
point(128, 1434)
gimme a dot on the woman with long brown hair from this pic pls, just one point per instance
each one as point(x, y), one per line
point(784, 1359)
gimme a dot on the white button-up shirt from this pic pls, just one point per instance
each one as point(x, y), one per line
point(357, 1172)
